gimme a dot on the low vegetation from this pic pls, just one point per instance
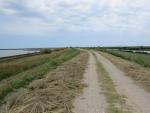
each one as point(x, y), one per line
point(143, 48)
point(53, 93)
point(24, 78)
point(116, 102)
point(8, 69)
point(45, 51)
point(142, 59)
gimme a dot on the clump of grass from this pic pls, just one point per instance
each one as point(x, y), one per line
point(25, 78)
point(8, 69)
point(142, 59)
point(38, 84)
point(62, 85)
point(116, 102)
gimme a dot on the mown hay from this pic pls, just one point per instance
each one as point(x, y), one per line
point(52, 94)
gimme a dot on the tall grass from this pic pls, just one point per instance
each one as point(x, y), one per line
point(36, 73)
point(142, 59)
point(8, 69)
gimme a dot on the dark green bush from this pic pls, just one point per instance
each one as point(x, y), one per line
point(45, 51)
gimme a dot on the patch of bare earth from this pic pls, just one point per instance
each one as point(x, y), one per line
point(91, 100)
point(137, 97)
point(53, 94)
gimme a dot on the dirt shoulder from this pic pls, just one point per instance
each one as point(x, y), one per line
point(137, 98)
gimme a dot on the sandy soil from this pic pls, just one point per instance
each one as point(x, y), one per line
point(91, 100)
point(137, 97)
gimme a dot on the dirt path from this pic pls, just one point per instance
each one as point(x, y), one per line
point(90, 101)
point(137, 97)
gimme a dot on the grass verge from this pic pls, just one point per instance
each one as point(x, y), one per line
point(142, 59)
point(53, 93)
point(8, 69)
point(25, 78)
point(116, 102)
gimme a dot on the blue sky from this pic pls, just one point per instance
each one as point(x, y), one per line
point(58, 23)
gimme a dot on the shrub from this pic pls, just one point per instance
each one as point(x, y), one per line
point(45, 51)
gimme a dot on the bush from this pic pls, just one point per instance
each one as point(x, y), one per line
point(46, 51)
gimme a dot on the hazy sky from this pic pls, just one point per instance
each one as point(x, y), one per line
point(57, 23)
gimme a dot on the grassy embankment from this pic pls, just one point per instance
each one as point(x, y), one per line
point(116, 102)
point(10, 68)
point(142, 59)
point(24, 78)
point(53, 93)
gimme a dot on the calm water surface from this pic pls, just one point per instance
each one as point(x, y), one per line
point(5, 53)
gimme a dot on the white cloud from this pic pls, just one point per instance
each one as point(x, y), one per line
point(8, 11)
point(77, 15)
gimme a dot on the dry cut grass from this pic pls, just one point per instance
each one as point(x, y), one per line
point(52, 94)
point(22, 79)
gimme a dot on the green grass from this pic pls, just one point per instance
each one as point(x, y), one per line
point(116, 102)
point(8, 69)
point(36, 73)
point(146, 48)
point(142, 59)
